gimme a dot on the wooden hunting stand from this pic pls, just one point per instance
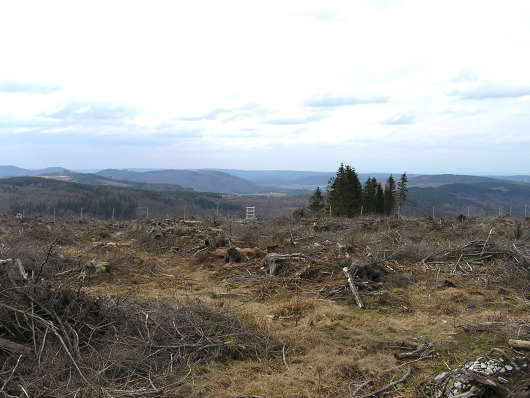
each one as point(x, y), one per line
point(250, 212)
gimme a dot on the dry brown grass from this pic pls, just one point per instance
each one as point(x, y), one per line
point(331, 346)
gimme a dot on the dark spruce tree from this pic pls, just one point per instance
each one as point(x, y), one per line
point(316, 202)
point(345, 193)
point(402, 189)
point(370, 196)
point(390, 195)
point(379, 200)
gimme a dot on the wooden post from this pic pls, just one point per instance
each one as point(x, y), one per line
point(399, 211)
point(81, 216)
point(361, 210)
point(330, 210)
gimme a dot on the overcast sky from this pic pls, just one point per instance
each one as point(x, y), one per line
point(423, 86)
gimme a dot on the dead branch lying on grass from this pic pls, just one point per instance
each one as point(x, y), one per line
point(385, 388)
point(520, 344)
point(518, 328)
point(421, 351)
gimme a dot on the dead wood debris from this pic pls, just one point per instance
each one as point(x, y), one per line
point(476, 252)
point(383, 389)
point(273, 262)
point(500, 373)
point(515, 328)
point(59, 341)
point(520, 344)
point(421, 351)
point(353, 287)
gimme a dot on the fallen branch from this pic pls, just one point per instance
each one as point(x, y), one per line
point(521, 344)
point(353, 287)
point(389, 386)
point(283, 356)
point(421, 351)
point(6, 381)
point(486, 242)
point(226, 295)
point(14, 347)
point(360, 388)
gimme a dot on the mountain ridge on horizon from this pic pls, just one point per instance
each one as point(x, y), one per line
point(232, 181)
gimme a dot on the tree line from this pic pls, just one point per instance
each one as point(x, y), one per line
point(122, 207)
point(347, 197)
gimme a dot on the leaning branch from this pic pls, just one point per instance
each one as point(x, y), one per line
point(353, 287)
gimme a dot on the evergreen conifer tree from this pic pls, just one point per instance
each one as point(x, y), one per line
point(379, 200)
point(369, 195)
point(345, 192)
point(390, 195)
point(402, 189)
point(316, 202)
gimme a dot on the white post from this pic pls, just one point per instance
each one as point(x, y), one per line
point(468, 211)
point(113, 214)
point(147, 212)
point(433, 212)
point(81, 213)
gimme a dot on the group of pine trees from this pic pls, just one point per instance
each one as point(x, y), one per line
point(347, 197)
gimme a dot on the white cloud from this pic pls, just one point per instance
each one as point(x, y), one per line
point(258, 75)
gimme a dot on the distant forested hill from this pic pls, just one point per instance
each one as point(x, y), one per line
point(39, 196)
point(200, 180)
point(482, 198)
point(437, 180)
point(13, 171)
point(95, 179)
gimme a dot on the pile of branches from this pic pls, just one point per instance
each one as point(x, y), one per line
point(477, 252)
point(62, 342)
